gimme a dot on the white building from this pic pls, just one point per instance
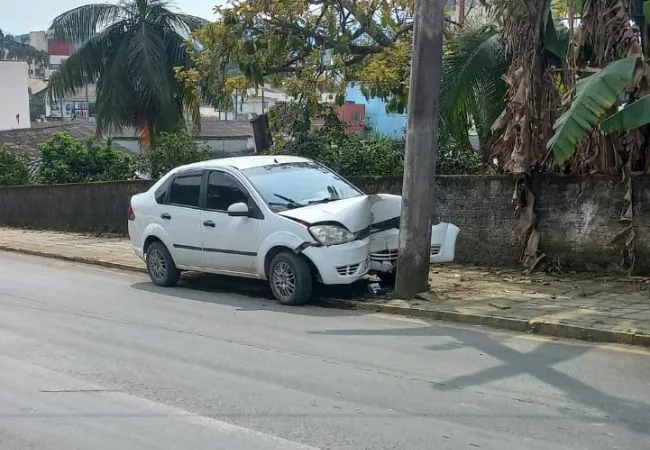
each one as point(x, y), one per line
point(256, 102)
point(14, 95)
point(38, 40)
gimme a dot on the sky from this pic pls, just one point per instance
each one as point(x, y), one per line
point(23, 16)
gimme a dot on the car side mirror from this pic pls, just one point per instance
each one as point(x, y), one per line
point(238, 210)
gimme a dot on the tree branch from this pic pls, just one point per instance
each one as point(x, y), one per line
point(322, 39)
point(367, 22)
point(402, 29)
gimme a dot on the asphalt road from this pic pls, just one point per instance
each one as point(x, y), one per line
point(100, 359)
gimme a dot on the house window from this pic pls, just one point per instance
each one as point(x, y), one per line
point(356, 117)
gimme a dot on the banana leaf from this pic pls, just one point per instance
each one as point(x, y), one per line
point(634, 115)
point(594, 95)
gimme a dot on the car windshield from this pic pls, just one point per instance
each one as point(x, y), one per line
point(294, 185)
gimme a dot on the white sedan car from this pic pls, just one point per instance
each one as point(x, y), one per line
point(285, 219)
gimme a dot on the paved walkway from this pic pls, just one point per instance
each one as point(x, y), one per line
point(591, 307)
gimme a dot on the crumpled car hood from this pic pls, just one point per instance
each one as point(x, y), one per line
point(356, 213)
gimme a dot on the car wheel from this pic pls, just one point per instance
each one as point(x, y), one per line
point(291, 279)
point(160, 265)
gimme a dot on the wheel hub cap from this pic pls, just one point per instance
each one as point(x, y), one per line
point(284, 280)
point(157, 264)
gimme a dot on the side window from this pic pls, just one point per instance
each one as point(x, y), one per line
point(223, 191)
point(163, 190)
point(185, 190)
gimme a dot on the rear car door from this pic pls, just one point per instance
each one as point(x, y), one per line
point(180, 216)
point(229, 243)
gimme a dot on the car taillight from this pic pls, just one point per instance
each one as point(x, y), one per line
point(131, 214)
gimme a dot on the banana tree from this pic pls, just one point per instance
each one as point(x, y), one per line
point(595, 95)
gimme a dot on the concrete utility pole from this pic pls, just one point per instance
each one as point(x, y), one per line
point(421, 148)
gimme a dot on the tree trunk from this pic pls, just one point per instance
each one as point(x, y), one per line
point(421, 147)
point(461, 12)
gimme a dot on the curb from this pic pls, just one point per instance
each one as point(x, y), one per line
point(532, 326)
point(76, 259)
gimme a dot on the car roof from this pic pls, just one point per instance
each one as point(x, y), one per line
point(245, 162)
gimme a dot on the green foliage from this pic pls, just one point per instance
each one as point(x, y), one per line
point(130, 50)
point(169, 151)
point(290, 118)
point(457, 159)
point(67, 160)
point(472, 85)
point(634, 115)
point(354, 155)
point(595, 94)
point(308, 47)
point(14, 169)
point(350, 155)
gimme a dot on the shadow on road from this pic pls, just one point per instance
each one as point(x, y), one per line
point(251, 295)
point(538, 363)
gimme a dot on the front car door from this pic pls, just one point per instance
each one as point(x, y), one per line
point(180, 216)
point(229, 243)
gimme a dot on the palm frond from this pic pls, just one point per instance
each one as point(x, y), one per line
point(472, 83)
point(116, 102)
point(82, 23)
point(82, 68)
point(131, 51)
point(184, 23)
point(146, 57)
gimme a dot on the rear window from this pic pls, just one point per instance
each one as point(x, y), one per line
point(163, 190)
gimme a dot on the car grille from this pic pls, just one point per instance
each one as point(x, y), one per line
point(385, 255)
point(391, 255)
point(346, 271)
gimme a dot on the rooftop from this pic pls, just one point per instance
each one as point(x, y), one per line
point(28, 140)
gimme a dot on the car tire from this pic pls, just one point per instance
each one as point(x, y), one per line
point(291, 279)
point(160, 265)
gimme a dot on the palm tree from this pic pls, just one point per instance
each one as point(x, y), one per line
point(130, 50)
point(473, 90)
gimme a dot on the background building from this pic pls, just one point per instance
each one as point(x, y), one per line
point(14, 92)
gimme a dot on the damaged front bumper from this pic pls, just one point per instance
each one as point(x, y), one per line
point(384, 247)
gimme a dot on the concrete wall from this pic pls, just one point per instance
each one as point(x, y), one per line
point(75, 207)
point(229, 146)
point(14, 95)
point(578, 216)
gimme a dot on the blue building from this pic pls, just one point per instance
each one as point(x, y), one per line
point(386, 124)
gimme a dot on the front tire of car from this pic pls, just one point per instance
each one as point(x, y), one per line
point(290, 279)
point(160, 265)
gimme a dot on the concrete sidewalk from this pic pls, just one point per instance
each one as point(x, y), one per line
point(589, 307)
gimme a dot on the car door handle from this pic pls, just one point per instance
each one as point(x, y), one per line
point(208, 223)
point(166, 216)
